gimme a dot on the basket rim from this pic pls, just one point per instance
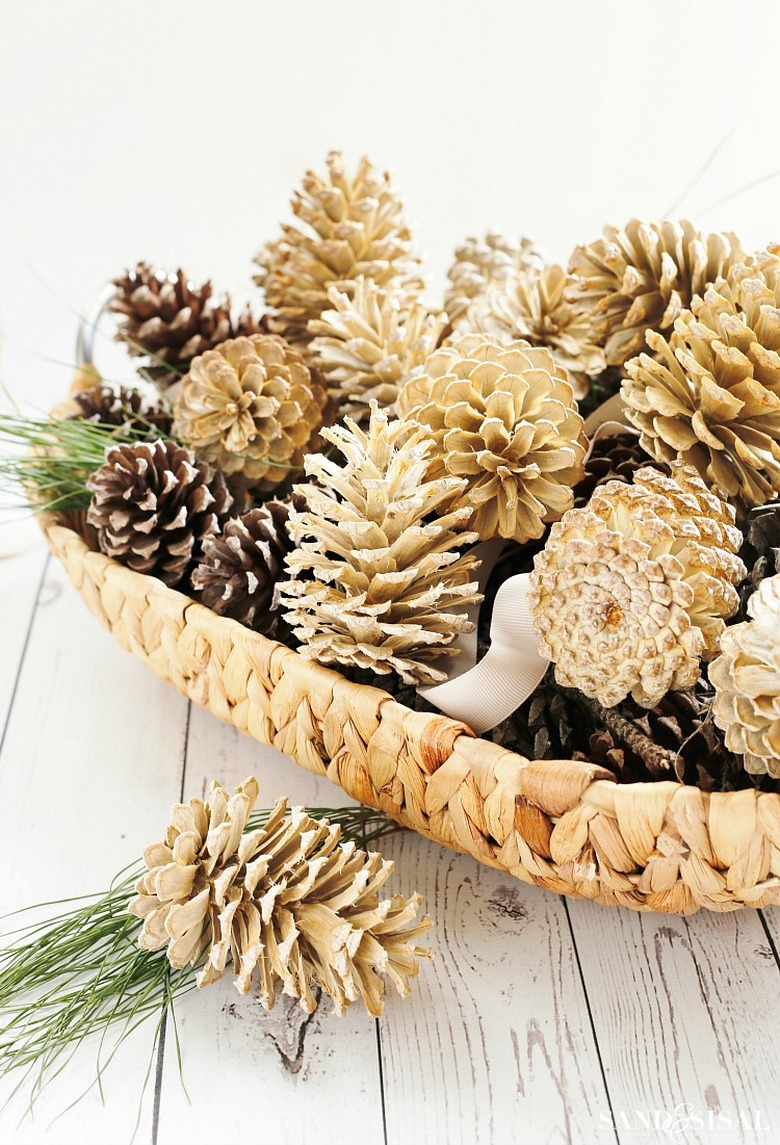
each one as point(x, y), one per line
point(597, 772)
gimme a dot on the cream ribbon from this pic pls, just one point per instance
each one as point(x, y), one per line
point(484, 694)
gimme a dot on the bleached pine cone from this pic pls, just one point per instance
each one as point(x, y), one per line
point(286, 903)
point(504, 418)
point(711, 395)
point(642, 277)
point(630, 591)
point(350, 225)
point(367, 345)
point(533, 304)
point(480, 262)
point(252, 406)
point(746, 677)
point(378, 579)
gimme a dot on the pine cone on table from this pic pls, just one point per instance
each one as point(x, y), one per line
point(711, 395)
point(152, 504)
point(169, 320)
point(479, 263)
point(287, 904)
point(240, 567)
point(379, 577)
point(642, 278)
point(504, 418)
point(251, 406)
point(351, 225)
point(125, 407)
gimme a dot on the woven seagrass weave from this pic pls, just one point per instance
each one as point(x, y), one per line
point(565, 825)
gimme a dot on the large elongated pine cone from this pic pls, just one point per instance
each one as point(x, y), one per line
point(642, 278)
point(350, 225)
point(170, 320)
point(252, 406)
point(632, 590)
point(379, 578)
point(711, 394)
point(287, 904)
point(152, 504)
point(504, 418)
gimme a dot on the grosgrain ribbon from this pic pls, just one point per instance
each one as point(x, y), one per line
point(484, 694)
point(507, 674)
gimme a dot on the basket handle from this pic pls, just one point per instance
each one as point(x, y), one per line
point(97, 306)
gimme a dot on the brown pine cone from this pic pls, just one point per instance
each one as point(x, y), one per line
point(760, 552)
point(239, 568)
point(612, 458)
point(169, 320)
point(675, 740)
point(76, 521)
point(125, 407)
point(152, 503)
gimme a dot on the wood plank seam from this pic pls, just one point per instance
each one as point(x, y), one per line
point(20, 661)
point(160, 1063)
point(589, 1010)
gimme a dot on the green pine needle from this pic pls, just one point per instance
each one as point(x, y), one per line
point(82, 973)
point(47, 460)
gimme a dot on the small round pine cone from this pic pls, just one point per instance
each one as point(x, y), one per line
point(239, 568)
point(168, 319)
point(152, 504)
point(632, 590)
point(129, 408)
point(711, 394)
point(503, 417)
point(642, 277)
point(252, 406)
point(746, 676)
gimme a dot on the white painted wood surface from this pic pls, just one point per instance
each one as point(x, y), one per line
point(540, 1020)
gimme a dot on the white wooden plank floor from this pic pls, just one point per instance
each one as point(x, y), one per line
point(540, 1020)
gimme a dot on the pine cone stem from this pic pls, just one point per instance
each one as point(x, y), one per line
point(657, 759)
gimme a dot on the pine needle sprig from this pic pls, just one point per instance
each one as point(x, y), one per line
point(49, 459)
point(81, 973)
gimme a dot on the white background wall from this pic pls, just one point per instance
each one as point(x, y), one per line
point(174, 129)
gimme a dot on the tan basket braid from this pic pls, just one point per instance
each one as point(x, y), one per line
point(562, 824)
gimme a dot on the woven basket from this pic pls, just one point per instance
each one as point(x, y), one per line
point(563, 824)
